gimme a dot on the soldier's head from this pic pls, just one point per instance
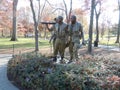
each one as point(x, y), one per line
point(73, 19)
point(60, 19)
point(56, 20)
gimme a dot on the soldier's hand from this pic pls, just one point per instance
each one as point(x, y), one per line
point(49, 41)
point(80, 37)
point(83, 43)
point(68, 39)
point(46, 25)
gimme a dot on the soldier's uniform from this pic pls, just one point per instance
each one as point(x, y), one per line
point(75, 36)
point(60, 41)
point(53, 36)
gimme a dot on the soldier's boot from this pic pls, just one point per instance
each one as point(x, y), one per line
point(62, 61)
point(70, 61)
point(54, 59)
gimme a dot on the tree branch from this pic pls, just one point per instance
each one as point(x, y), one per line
point(43, 8)
point(70, 11)
point(34, 16)
point(99, 11)
point(50, 4)
point(58, 9)
point(66, 12)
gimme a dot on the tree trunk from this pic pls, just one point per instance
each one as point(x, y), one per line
point(91, 27)
point(2, 33)
point(35, 26)
point(97, 31)
point(118, 31)
point(14, 32)
point(70, 11)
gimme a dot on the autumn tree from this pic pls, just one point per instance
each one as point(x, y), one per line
point(24, 20)
point(14, 32)
point(5, 17)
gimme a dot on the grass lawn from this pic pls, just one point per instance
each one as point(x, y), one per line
point(110, 42)
point(5, 43)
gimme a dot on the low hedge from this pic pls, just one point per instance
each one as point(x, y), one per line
point(33, 71)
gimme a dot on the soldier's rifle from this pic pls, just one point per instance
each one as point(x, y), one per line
point(48, 23)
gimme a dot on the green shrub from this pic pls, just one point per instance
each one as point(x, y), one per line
point(36, 72)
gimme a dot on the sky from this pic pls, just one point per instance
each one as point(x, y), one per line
point(76, 3)
point(110, 6)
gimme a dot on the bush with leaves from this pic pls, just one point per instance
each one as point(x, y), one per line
point(33, 71)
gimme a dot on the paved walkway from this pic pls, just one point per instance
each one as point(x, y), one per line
point(114, 48)
point(5, 84)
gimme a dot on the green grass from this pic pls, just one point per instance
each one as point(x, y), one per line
point(110, 42)
point(105, 41)
point(5, 43)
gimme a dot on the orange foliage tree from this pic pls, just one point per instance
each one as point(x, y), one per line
point(6, 17)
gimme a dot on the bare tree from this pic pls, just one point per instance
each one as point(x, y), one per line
point(67, 13)
point(14, 34)
point(35, 26)
point(41, 10)
point(70, 11)
point(36, 21)
point(118, 31)
point(91, 26)
point(97, 14)
point(65, 9)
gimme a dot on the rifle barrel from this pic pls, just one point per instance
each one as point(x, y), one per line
point(48, 23)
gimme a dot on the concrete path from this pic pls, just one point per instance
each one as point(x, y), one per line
point(5, 84)
point(114, 48)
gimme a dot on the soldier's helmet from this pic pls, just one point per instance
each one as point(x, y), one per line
point(60, 17)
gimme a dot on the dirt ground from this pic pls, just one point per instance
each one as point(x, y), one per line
point(49, 51)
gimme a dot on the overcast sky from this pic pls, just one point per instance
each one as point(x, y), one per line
point(110, 6)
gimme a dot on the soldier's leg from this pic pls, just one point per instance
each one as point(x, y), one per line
point(75, 50)
point(62, 49)
point(53, 44)
point(71, 50)
point(56, 48)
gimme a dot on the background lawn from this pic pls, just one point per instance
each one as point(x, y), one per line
point(5, 43)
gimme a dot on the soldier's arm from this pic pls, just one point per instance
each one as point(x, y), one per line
point(66, 29)
point(50, 29)
point(69, 33)
point(82, 33)
point(52, 37)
